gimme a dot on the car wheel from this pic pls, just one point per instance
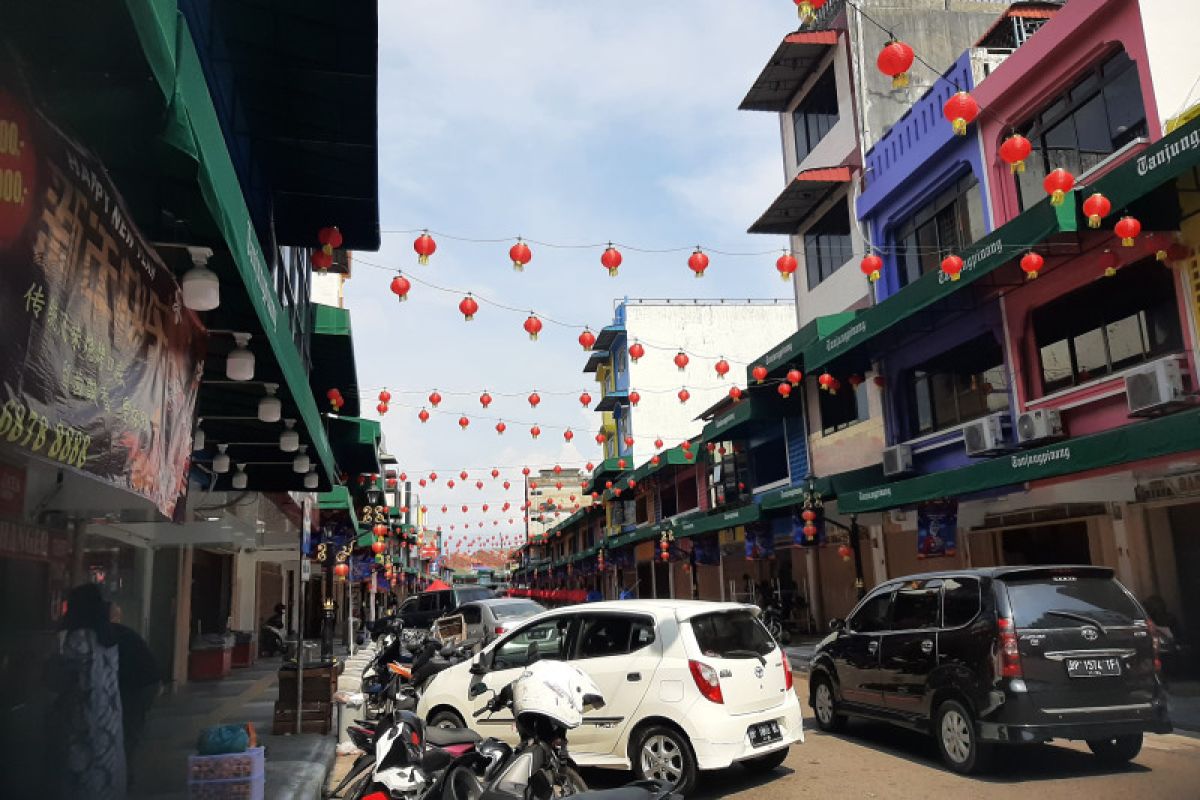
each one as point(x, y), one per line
point(958, 739)
point(447, 719)
point(1118, 749)
point(768, 762)
point(825, 707)
point(664, 754)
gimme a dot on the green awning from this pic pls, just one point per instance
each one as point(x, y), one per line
point(191, 127)
point(338, 499)
point(758, 406)
point(829, 487)
point(693, 526)
point(790, 351)
point(355, 442)
point(1166, 159)
point(1176, 433)
point(605, 469)
point(648, 531)
point(332, 356)
point(991, 252)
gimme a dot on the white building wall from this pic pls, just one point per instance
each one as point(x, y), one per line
point(1174, 57)
point(327, 288)
point(738, 332)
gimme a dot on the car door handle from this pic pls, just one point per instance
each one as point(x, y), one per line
point(634, 676)
point(872, 646)
point(927, 646)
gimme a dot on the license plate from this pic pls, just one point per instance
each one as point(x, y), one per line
point(1093, 667)
point(764, 733)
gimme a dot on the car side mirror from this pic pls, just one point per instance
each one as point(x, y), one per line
point(837, 624)
point(482, 664)
point(592, 702)
point(476, 688)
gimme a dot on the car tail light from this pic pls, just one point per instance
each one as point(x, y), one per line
point(706, 681)
point(499, 629)
point(787, 673)
point(1154, 644)
point(1010, 653)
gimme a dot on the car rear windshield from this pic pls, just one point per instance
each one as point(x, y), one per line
point(516, 609)
point(1069, 601)
point(467, 595)
point(731, 634)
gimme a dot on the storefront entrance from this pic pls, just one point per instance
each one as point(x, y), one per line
point(1061, 543)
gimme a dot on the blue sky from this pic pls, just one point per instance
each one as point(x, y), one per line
point(565, 122)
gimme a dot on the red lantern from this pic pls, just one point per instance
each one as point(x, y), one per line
point(1031, 264)
point(960, 110)
point(525, 471)
point(681, 360)
point(658, 443)
point(382, 408)
point(871, 266)
point(434, 398)
point(587, 339)
point(501, 427)
point(600, 438)
point(620, 463)
point(400, 287)
point(450, 483)
point(698, 262)
point(385, 396)
point(684, 395)
point(952, 266)
point(535, 431)
point(557, 469)
point(321, 260)
point(879, 381)
point(520, 255)
point(611, 259)
point(479, 485)
point(463, 475)
point(794, 376)
point(1014, 151)
point(589, 467)
point(330, 238)
point(825, 381)
point(585, 399)
point(1057, 184)
point(784, 389)
point(568, 435)
point(629, 441)
point(722, 368)
point(1127, 228)
point(845, 552)
point(378, 546)
point(807, 9)
point(425, 247)
point(463, 422)
point(533, 326)
point(735, 393)
point(634, 398)
point(380, 529)
point(403, 476)
point(786, 264)
point(534, 399)
point(808, 515)
point(423, 415)
point(895, 60)
point(855, 381)
point(636, 351)
point(810, 531)
point(655, 460)
point(1096, 207)
point(341, 569)
point(468, 307)
point(759, 372)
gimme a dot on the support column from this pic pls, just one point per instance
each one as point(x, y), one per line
point(814, 587)
point(183, 617)
point(878, 553)
point(1125, 573)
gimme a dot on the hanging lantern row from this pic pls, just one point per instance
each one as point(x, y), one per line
point(664, 545)
point(336, 401)
point(385, 397)
point(330, 239)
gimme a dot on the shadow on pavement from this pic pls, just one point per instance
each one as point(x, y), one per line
point(713, 784)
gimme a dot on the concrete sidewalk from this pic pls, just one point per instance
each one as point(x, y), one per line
point(297, 765)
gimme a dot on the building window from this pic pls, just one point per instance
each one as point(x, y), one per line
point(1108, 326)
point(1101, 113)
point(827, 243)
point(957, 386)
point(816, 115)
point(844, 408)
point(729, 480)
point(768, 461)
point(948, 224)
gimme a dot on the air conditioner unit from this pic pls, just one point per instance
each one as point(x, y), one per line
point(984, 437)
point(1038, 426)
point(1155, 388)
point(897, 460)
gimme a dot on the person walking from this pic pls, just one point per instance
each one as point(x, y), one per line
point(139, 679)
point(88, 707)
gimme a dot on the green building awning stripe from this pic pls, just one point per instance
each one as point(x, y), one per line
point(828, 487)
point(355, 442)
point(1166, 159)
point(330, 320)
point(991, 252)
point(790, 351)
point(192, 127)
point(338, 499)
point(694, 526)
point(1176, 433)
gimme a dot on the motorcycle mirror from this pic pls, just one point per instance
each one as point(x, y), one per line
point(476, 688)
point(480, 665)
point(837, 624)
point(592, 702)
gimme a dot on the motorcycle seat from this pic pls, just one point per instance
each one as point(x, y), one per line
point(444, 737)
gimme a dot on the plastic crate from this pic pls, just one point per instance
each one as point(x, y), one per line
point(233, 789)
point(230, 766)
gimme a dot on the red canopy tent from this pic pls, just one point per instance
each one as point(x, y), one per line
point(437, 586)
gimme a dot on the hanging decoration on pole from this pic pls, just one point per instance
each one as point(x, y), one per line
point(520, 255)
point(895, 60)
point(468, 307)
point(871, 266)
point(952, 267)
point(1031, 264)
point(722, 368)
point(587, 339)
point(1128, 228)
point(1096, 207)
point(786, 264)
point(960, 111)
point(1014, 151)
point(1057, 184)
point(611, 260)
point(636, 351)
point(698, 262)
point(533, 326)
point(681, 360)
point(401, 286)
point(425, 247)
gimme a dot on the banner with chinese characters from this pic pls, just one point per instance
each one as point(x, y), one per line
point(101, 362)
point(937, 529)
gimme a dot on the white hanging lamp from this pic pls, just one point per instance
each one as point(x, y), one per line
point(239, 365)
point(301, 462)
point(240, 480)
point(220, 463)
point(310, 480)
point(200, 285)
point(289, 438)
point(198, 438)
point(270, 408)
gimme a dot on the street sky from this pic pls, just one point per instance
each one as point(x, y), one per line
point(563, 122)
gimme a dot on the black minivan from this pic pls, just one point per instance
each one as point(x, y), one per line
point(1008, 655)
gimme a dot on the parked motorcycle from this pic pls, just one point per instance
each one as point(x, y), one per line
point(775, 622)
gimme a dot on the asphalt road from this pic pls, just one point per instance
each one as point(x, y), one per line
point(877, 761)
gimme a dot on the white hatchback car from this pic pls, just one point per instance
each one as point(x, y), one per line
point(689, 685)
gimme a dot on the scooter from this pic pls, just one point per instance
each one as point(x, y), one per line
point(270, 639)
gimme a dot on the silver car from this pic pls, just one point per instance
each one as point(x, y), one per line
point(487, 619)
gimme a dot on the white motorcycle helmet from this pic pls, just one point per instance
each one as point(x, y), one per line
point(557, 691)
